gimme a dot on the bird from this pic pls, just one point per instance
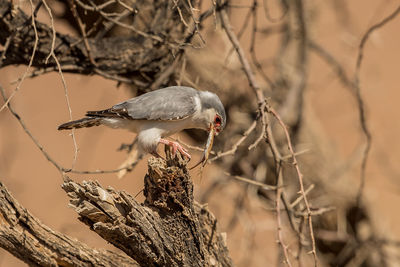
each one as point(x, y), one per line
point(158, 114)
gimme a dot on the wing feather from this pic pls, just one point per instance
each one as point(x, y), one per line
point(171, 103)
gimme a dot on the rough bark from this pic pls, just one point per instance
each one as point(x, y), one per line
point(168, 229)
point(28, 239)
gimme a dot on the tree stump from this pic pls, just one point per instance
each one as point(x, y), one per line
point(168, 229)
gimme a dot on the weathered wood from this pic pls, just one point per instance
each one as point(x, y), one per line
point(168, 229)
point(135, 57)
point(28, 239)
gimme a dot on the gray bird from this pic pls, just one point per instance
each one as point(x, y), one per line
point(159, 114)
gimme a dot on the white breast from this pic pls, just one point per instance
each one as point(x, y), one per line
point(150, 132)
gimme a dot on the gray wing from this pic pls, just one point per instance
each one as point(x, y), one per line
point(171, 103)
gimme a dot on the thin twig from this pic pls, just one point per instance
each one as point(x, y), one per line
point(60, 168)
point(300, 177)
point(22, 123)
point(64, 83)
point(125, 6)
point(263, 133)
point(180, 13)
point(337, 67)
point(168, 71)
point(38, 72)
point(253, 55)
point(33, 11)
point(250, 181)
point(262, 103)
point(235, 42)
point(130, 167)
point(83, 31)
point(247, 70)
point(300, 198)
point(6, 46)
point(300, 242)
point(235, 145)
point(241, 31)
point(298, 153)
point(107, 16)
point(108, 25)
point(268, 14)
point(360, 100)
point(315, 212)
point(195, 21)
point(278, 217)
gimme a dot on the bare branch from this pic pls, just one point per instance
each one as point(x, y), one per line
point(35, 45)
point(300, 177)
point(125, 58)
point(36, 244)
point(360, 101)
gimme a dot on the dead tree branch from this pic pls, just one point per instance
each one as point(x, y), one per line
point(31, 241)
point(267, 135)
point(168, 229)
point(129, 58)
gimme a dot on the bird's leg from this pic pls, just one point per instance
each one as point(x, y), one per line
point(175, 146)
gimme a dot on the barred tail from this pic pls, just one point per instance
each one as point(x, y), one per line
point(82, 123)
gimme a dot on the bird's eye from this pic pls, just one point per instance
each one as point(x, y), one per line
point(217, 120)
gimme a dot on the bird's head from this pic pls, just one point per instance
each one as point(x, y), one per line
point(213, 112)
point(214, 116)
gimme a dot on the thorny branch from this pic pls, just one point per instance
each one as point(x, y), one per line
point(300, 176)
point(263, 106)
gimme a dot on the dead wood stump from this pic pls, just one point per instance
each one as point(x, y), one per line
point(168, 229)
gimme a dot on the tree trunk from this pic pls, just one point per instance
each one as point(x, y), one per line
point(168, 229)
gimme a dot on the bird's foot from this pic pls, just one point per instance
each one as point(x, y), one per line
point(176, 146)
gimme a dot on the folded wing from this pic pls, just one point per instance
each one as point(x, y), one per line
point(171, 103)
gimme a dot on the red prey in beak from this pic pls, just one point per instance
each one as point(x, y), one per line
point(207, 150)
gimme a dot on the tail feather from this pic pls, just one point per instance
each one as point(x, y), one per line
point(110, 113)
point(82, 123)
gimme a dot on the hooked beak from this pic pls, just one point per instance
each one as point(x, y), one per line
point(207, 150)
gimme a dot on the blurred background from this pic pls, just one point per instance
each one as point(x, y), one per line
point(308, 78)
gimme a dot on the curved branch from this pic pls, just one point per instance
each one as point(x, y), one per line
point(28, 239)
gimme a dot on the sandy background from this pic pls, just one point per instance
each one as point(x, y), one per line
point(41, 103)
